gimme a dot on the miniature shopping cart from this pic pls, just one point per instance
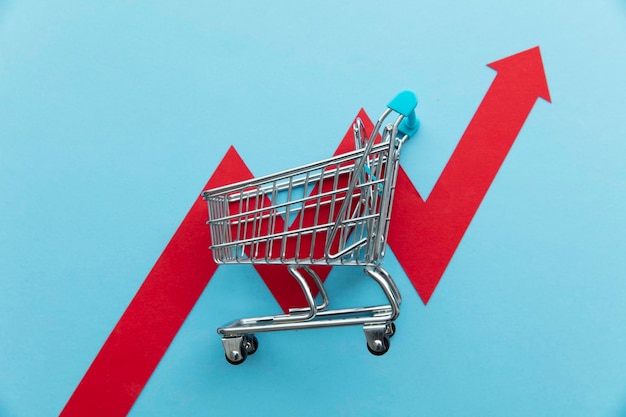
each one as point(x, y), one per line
point(333, 212)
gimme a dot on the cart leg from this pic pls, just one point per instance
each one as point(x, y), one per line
point(392, 283)
point(310, 312)
point(378, 334)
point(320, 286)
point(383, 279)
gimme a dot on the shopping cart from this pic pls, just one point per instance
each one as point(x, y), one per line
point(333, 212)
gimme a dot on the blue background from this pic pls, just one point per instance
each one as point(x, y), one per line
point(114, 114)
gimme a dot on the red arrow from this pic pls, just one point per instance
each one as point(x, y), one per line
point(146, 329)
point(429, 233)
point(423, 237)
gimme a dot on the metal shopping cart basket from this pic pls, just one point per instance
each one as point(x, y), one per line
point(333, 212)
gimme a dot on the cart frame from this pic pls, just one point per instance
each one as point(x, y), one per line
point(332, 212)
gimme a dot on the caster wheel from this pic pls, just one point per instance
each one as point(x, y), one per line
point(235, 352)
point(240, 357)
point(251, 344)
point(391, 329)
point(381, 346)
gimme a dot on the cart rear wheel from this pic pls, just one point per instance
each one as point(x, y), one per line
point(381, 346)
point(391, 329)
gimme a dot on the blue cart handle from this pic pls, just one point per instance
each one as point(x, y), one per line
point(404, 103)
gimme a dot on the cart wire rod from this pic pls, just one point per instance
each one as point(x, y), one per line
point(338, 159)
point(265, 209)
point(359, 167)
point(382, 317)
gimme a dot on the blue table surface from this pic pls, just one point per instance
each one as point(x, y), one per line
point(114, 114)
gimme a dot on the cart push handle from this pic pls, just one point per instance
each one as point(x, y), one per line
point(403, 103)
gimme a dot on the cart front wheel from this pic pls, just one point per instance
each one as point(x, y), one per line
point(235, 349)
point(236, 357)
point(251, 344)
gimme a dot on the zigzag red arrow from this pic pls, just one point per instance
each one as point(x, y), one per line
point(423, 236)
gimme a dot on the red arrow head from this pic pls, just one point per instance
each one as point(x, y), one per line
point(526, 70)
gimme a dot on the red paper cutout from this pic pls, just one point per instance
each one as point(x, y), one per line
point(423, 236)
point(162, 303)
